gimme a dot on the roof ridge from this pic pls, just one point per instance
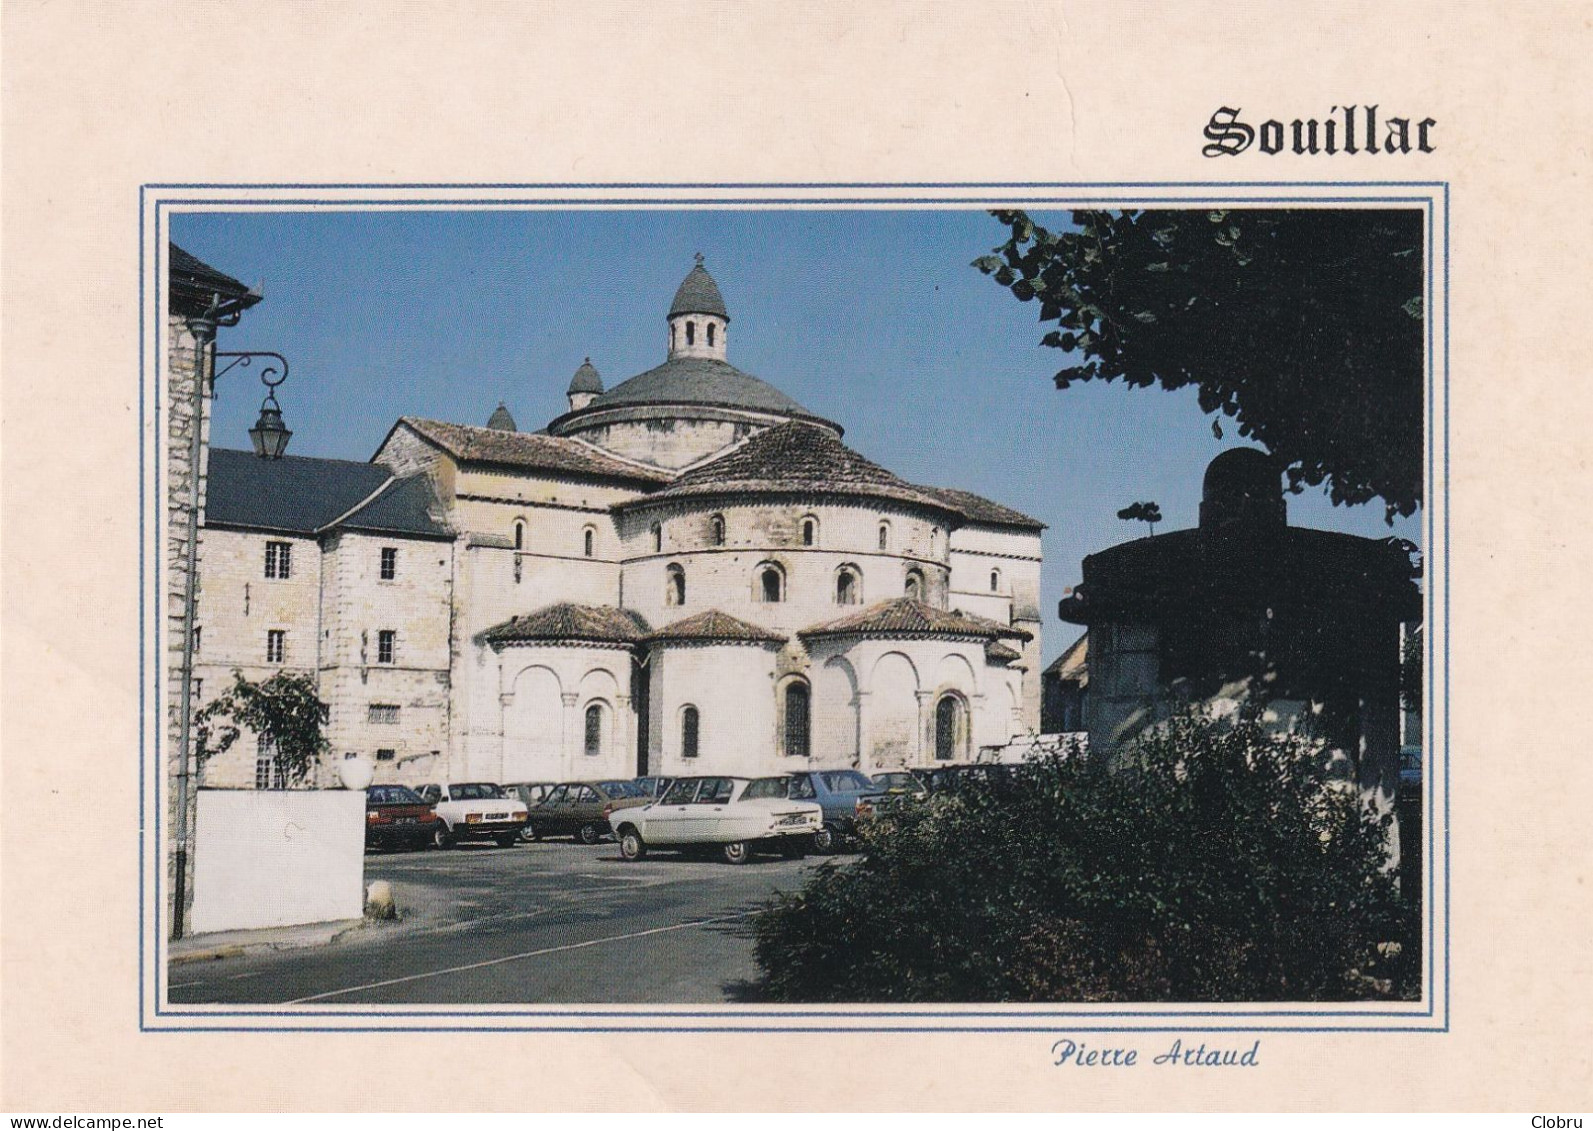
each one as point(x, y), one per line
point(362, 504)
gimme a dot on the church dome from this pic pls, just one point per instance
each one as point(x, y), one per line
point(586, 379)
point(1242, 486)
point(501, 420)
point(700, 381)
point(699, 294)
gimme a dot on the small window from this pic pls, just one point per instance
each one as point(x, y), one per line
point(385, 755)
point(810, 531)
point(772, 585)
point(884, 535)
point(389, 563)
point(199, 690)
point(519, 536)
point(691, 333)
point(276, 646)
point(385, 641)
point(716, 530)
point(995, 581)
point(594, 730)
point(279, 560)
point(688, 732)
point(385, 714)
point(674, 585)
point(270, 769)
point(847, 588)
point(589, 542)
point(199, 637)
point(914, 590)
point(796, 720)
point(658, 538)
point(710, 333)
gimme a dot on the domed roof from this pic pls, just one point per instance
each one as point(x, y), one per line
point(699, 294)
point(586, 379)
point(1242, 485)
point(501, 420)
point(700, 380)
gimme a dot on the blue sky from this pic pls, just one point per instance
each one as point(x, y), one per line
point(872, 318)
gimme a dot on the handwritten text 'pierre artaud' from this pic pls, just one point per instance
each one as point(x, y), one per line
point(1073, 1054)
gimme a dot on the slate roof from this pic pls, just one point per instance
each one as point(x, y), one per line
point(191, 282)
point(700, 380)
point(906, 617)
point(976, 508)
point(531, 451)
point(304, 495)
point(501, 419)
point(587, 379)
point(699, 294)
point(796, 457)
point(602, 624)
point(714, 625)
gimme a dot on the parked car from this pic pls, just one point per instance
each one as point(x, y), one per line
point(739, 815)
point(653, 786)
point(395, 815)
point(838, 793)
point(901, 782)
point(579, 809)
point(533, 793)
point(473, 811)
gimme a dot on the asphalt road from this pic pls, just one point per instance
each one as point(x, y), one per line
point(552, 922)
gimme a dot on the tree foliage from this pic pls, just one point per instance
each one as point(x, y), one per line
point(285, 710)
point(1148, 513)
point(1218, 862)
point(1304, 325)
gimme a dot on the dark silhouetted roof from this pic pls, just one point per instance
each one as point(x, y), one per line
point(797, 456)
point(531, 451)
point(700, 380)
point(602, 624)
point(191, 282)
point(699, 294)
point(501, 420)
point(976, 508)
point(714, 625)
point(302, 495)
point(586, 379)
point(906, 617)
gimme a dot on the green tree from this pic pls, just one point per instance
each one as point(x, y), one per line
point(1305, 326)
point(284, 710)
point(1213, 861)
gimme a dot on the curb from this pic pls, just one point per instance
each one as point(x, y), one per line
point(236, 950)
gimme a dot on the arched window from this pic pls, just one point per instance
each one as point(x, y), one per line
point(810, 531)
point(658, 538)
point(710, 333)
point(995, 581)
point(848, 586)
point(934, 540)
point(594, 730)
point(950, 727)
point(674, 585)
point(716, 529)
point(691, 333)
point(914, 589)
point(884, 535)
point(797, 729)
point(771, 584)
point(688, 732)
point(588, 541)
point(519, 534)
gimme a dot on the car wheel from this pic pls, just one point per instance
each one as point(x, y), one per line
point(824, 840)
point(631, 845)
point(441, 837)
point(589, 833)
point(736, 852)
point(507, 840)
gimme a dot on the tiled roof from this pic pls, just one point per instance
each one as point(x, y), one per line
point(999, 653)
point(715, 625)
point(602, 624)
point(501, 420)
point(531, 451)
point(191, 282)
point(906, 617)
point(699, 294)
point(976, 508)
point(801, 457)
point(302, 495)
point(703, 381)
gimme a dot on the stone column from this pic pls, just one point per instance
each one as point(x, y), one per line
point(926, 728)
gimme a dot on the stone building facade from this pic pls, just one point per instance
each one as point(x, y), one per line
point(688, 571)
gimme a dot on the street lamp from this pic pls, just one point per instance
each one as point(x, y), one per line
point(270, 438)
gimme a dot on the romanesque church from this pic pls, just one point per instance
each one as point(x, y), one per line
point(687, 571)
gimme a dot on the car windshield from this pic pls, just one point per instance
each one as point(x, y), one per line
point(800, 789)
point(392, 795)
point(845, 781)
point(475, 791)
point(681, 792)
point(613, 789)
point(764, 788)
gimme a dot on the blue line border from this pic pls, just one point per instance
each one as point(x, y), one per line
point(150, 917)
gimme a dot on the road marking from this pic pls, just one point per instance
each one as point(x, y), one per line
point(517, 957)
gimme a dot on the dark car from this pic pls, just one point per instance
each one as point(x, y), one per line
point(533, 793)
point(903, 782)
point(838, 793)
point(653, 786)
point(576, 808)
point(396, 817)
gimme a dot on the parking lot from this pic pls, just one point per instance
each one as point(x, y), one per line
point(552, 922)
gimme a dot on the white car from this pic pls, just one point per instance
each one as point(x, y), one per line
point(473, 811)
point(740, 815)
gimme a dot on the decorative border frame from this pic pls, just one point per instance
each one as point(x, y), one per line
point(158, 201)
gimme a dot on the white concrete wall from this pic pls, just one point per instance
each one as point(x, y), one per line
point(278, 858)
point(732, 686)
point(534, 725)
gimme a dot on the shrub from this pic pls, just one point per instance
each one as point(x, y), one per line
point(1212, 861)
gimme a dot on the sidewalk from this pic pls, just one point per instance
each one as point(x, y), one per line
point(229, 944)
